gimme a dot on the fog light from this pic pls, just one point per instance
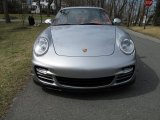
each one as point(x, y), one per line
point(127, 70)
point(44, 71)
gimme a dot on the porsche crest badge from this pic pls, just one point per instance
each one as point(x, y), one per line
point(84, 50)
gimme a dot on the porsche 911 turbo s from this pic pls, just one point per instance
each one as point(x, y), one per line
point(82, 49)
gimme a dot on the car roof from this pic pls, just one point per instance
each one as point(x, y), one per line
point(82, 7)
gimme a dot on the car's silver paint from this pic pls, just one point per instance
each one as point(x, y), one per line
point(70, 40)
point(85, 67)
point(76, 64)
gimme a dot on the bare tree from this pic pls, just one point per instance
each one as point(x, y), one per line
point(40, 8)
point(116, 8)
point(130, 12)
point(138, 13)
point(141, 15)
point(99, 3)
point(110, 6)
point(121, 8)
point(23, 12)
point(157, 13)
point(56, 5)
point(102, 3)
point(59, 4)
point(49, 7)
point(5, 9)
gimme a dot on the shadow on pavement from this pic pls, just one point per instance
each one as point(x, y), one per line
point(146, 81)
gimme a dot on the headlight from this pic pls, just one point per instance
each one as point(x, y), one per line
point(127, 46)
point(41, 46)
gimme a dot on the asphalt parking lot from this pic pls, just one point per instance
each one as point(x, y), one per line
point(140, 101)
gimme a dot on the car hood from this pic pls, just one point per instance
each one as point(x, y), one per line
point(84, 40)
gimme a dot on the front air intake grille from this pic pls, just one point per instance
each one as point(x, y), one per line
point(43, 77)
point(124, 77)
point(85, 82)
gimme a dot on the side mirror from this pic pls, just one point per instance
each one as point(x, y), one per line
point(48, 21)
point(117, 21)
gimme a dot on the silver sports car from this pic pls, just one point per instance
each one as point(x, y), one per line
point(83, 49)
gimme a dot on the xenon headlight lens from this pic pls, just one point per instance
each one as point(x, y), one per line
point(41, 46)
point(127, 46)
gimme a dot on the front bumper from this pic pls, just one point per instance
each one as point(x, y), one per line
point(114, 70)
point(49, 80)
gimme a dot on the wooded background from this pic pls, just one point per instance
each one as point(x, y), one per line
point(131, 12)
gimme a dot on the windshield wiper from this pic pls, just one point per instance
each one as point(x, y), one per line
point(92, 24)
point(80, 24)
point(62, 24)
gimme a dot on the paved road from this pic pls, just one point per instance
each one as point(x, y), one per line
point(138, 102)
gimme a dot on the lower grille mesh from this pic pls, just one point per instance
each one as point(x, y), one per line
point(85, 82)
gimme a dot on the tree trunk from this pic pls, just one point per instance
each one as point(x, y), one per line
point(60, 3)
point(49, 8)
point(5, 9)
point(56, 4)
point(40, 10)
point(121, 10)
point(142, 15)
point(130, 12)
point(138, 14)
point(111, 10)
point(102, 3)
point(157, 14)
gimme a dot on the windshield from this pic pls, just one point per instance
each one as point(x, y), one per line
point(82, 16)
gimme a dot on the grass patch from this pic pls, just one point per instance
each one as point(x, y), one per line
point(15, 59)
point(153, 31)
point(19, 16)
